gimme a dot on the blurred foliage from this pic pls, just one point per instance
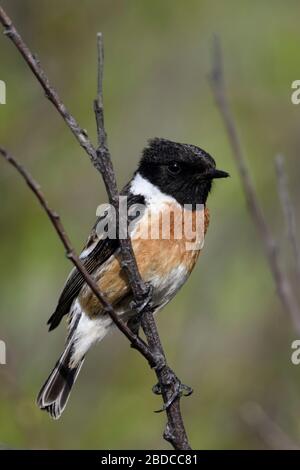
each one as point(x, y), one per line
point(229, 336)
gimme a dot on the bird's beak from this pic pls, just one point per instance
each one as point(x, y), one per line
point(214, 173)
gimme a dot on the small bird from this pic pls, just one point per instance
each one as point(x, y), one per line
point(171, 178)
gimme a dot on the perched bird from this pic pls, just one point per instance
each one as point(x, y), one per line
point(171, 178)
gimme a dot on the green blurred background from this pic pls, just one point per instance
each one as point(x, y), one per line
point(226, 333)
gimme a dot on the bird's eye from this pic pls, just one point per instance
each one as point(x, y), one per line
point(174, 168)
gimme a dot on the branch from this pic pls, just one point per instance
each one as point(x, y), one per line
point(99, 111)
point(266, 428)
point(287, 209)
point(34, 64)
point(170, 385)
point(136, 342)
point(282, 283)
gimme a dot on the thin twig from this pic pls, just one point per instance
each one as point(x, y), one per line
point(282, 283)
point(101, 159)
point(267, 429)
point(288, 210)
point(102, 138)
point(175, 431)
point(136, 342)
point(34, 64)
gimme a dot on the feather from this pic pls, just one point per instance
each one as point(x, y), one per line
point(96, 251)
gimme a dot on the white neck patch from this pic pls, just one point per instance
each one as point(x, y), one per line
point(152, 194)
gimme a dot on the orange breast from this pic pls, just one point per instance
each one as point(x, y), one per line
point(160, 249)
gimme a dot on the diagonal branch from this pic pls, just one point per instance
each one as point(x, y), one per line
point(169, 384)
point(136, 342)
point(266, 428)
point(34, 64)
point(282, 283)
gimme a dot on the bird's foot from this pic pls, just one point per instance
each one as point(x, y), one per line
point(134, 324)
point(178, 389)
point(139, 306)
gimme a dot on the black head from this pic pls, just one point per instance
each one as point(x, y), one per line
point(182, 171)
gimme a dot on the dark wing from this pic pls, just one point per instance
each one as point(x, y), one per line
point(102, 251)
point(99, 250)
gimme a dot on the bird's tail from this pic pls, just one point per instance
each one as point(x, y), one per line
point(55, 392)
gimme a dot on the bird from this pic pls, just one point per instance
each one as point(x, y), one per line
point(171, 178)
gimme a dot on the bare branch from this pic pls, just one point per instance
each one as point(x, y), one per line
point(287, 209)
point(282, 283)
point(50, 92)
point(99, 103)
point(136, 342)
point(266, 428)
point(140, 290)
point(101, 159)
point(175, 431)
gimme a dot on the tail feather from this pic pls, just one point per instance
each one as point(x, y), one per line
point(83, 333)
point(55, 392)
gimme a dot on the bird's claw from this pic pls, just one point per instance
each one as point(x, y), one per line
point(156, 389)
point(134, 325)
point(178, 391)
point(139, 305)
